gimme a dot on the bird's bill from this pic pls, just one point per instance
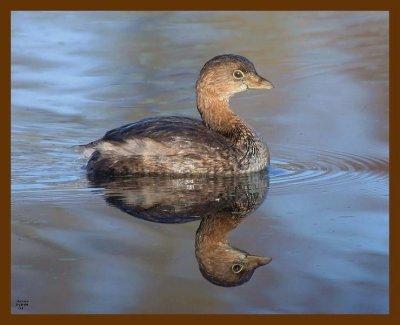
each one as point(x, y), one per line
point(255, 81)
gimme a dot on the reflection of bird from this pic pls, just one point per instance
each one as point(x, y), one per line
point(220, 202)
point(220, 144)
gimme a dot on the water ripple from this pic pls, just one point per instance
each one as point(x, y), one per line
point(324, 169)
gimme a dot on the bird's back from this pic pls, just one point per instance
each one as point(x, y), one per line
point(169, 145)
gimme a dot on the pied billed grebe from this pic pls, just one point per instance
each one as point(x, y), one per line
point(220, 144)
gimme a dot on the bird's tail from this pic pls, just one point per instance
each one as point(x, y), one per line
point(86, 149)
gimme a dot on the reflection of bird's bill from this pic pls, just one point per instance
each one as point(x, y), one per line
point(257, 261)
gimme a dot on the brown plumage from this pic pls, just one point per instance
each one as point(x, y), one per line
point(219, 144)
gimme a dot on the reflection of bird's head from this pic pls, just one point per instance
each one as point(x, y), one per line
point(226, 266)
point(219, 262)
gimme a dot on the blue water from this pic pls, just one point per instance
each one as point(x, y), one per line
point(324, 222)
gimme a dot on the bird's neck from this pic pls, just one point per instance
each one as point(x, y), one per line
point(218, 116)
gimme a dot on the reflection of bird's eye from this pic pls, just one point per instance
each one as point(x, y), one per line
point(238, 74)
point(236, 268)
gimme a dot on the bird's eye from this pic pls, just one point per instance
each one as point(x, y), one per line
point(236, 268)
point(237, 74)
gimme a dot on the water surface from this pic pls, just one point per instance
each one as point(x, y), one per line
point(324, 222)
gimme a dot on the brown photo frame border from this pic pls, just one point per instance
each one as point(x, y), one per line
point(393, 7)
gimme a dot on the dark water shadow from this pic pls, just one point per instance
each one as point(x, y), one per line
point(221, 203)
